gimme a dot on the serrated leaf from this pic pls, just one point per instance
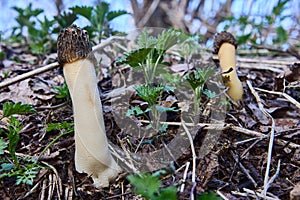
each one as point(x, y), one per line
point(136, 110)
point(210, 94)
point(146, 41)
point(64, 20)
point(85, 11)
point(165, 109)
point(114, 14)
point(145, 184)
point(17, 108)
point(169, 38)
point(135, 58)
point(3, 146)
point(148, 93)
point(7, 166)
point(60, 126)
point(198, 77)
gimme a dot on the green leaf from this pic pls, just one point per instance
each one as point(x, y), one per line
point(243, 39)
point(169, 38)
point(278, 9)
point(135, 58)
point(145, 184)
point(148, 93)
point(17, 108)
point(14, 128)
point(146, 41)
point(209, 196)
point(164, 109)
point(7, 166)
point(210, 94)
point(282, 35)
point(136, 110)
point(62, 92)
point(64, 20)
point(114, 14)
point(168, 193)
point(85, 11)
point(3, 146)
point(68, 126)
point(198, 77)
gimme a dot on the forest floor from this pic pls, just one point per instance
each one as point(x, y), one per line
point(234, 167)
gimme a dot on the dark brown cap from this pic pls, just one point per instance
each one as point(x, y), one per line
point(222, 37)
point(72, 44)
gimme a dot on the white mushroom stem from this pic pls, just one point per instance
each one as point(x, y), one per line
point(92, 155)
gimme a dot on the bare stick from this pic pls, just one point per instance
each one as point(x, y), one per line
point(288, 51)
point(243, 168)
point(55, 64)
point(28, 74)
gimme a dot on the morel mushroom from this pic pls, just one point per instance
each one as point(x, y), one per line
point(225, 46)
point(92, 154)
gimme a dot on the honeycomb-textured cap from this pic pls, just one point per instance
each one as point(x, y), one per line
point(72, 44)
point(222, 37)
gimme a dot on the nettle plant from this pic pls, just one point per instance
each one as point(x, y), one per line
point(39, 33)
point(12, 165)
point(150, 59)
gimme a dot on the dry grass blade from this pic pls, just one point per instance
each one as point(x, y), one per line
point(261, 107)
point(285, 95)
point(194, 160)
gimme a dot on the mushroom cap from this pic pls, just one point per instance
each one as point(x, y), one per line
point(223, 37)
point(72, 44)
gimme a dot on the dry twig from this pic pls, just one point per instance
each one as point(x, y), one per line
point(194, 160)
point(271, 142)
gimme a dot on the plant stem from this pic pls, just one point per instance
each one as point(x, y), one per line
point(52, 142)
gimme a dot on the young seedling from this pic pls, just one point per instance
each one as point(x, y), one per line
point(92, 155)
point(225, 45)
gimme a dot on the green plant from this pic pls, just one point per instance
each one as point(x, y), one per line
point(209, 196)
point(24, 19)
point(40, 39)
point(150, 53)
point(24, 168)
point(99, 18)
point(152, 95)
point(62, 92)
point(149, 186)
point(253, 29)
point(25, 173)
point(197, 80)
point(63, 127)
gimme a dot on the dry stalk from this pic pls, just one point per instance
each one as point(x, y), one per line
point(243, 168)
point(285, 95)
point(184, 176)
point(271, 142)
point(194, 160)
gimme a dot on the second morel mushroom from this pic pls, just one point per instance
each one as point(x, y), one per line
point(225, 46)
point(92, 154)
